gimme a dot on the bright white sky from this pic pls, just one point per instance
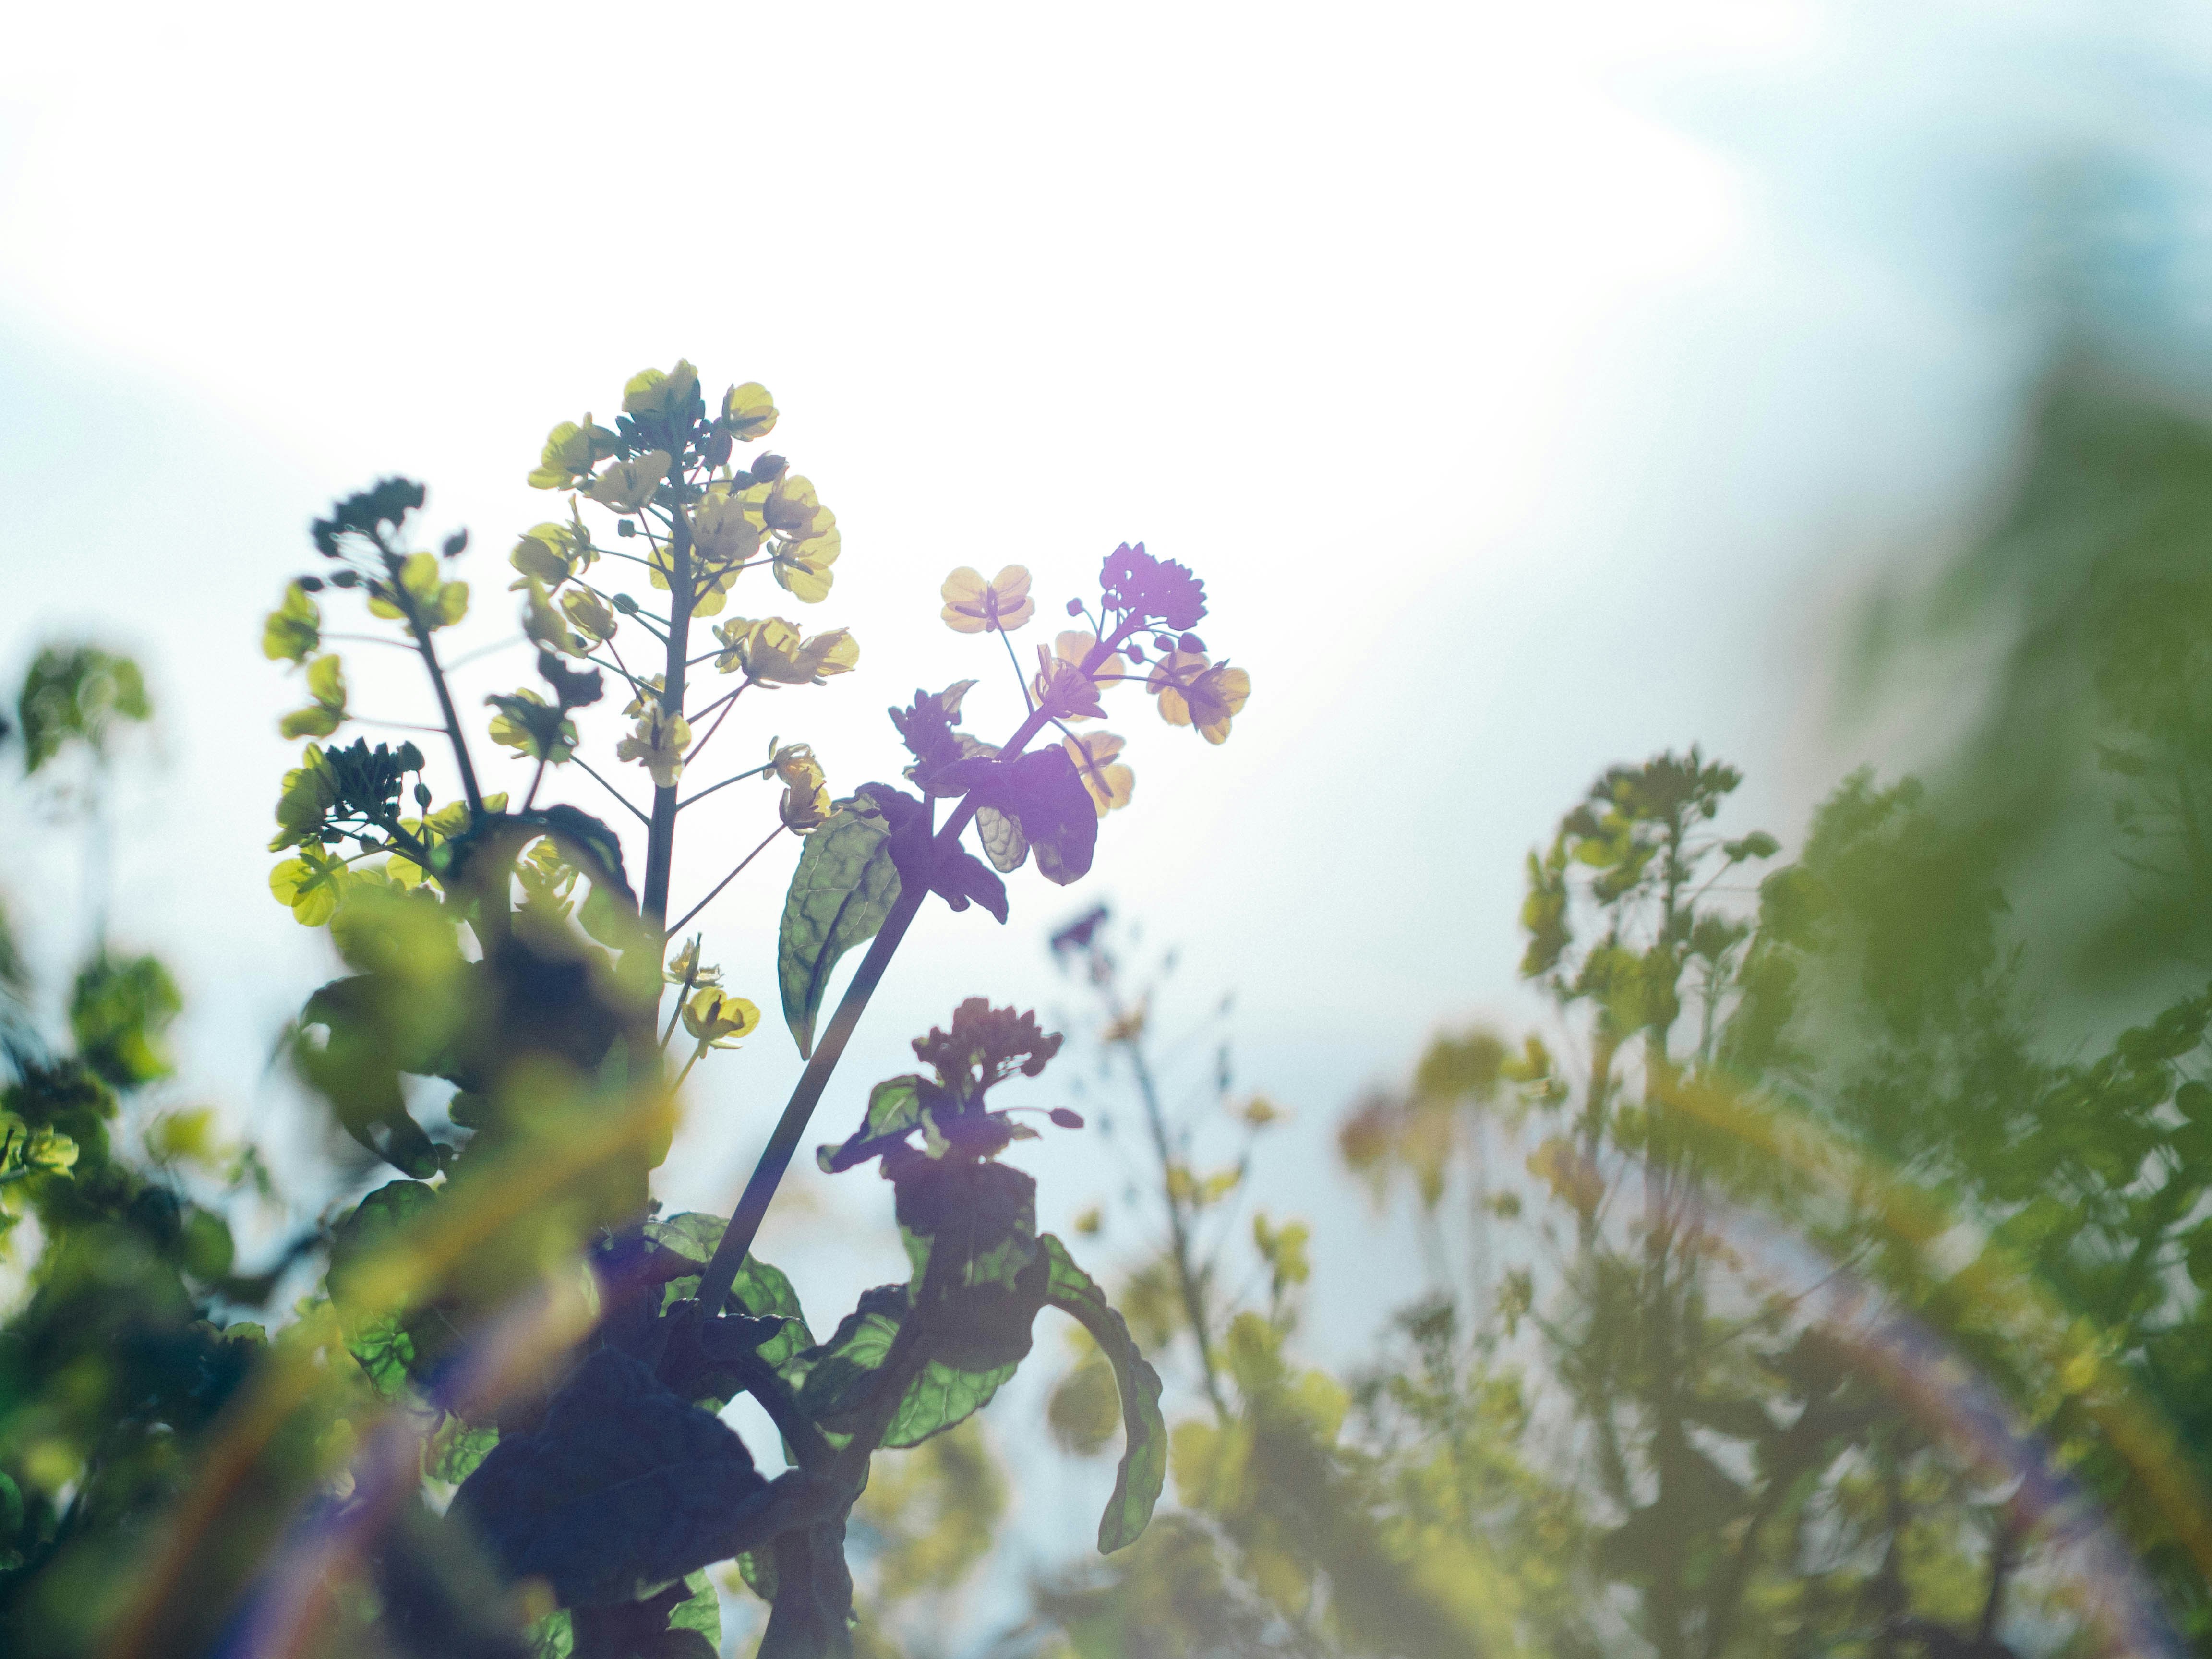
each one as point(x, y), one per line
point(1526, 381)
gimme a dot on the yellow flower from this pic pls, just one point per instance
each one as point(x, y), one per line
point(805, 803)
point(770, 653)
point(550, 552)
point(591, 615)
point(543, 624)
point(649, 697)
point(748, 412)
point(973, 606)
point(629, 485)
point(658, 745)
point(1111, 785)
point(309, 885)
point(651, 393)
point(718, 1020)
point(1193, 694)
point(685, 968)
point(571, 452)
point(326, 685)
point(1063, 690)
point(727, 528)
point(439, 603)
point(791, 510)
point(293, 627)
point(802, 568)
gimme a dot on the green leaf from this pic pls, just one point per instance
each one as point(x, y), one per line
point(759, 1290)
point(844, 887)
point(944, 1395)
point(294, 628)
point(455, 1448)
point(703, 1613)
point(836, 1377)
point(1003, 843)
point(1143, 1466)
point(895, 1108)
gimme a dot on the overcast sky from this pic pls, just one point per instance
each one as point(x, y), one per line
point(1532, 386)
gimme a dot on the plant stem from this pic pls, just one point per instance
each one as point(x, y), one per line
point(429, 655)
point(776, 1157)
point(660, 835)
point(1194, 1297)
point(671, 932)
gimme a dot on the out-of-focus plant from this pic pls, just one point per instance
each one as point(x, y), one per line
point(1298, 1530)
point(514, 1324)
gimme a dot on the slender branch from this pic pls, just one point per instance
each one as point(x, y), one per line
point(1029, 703)
point(1194, 1298)
point(467, 657)
point(536, 778)
point(683, 996)
point(611, 789)
point(725, 882)
point(734, 777)
point(392, 726)
point(727, 704)
point(429, 655)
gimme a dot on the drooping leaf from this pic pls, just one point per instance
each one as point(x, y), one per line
point(1143, 1466)
point(846, 884)
point(836, 1377)
point(943, 1396)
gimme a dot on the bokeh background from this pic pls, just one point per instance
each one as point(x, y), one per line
point(1534, 388)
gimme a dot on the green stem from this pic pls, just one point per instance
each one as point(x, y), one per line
point(661, 833)
point(776, 1157)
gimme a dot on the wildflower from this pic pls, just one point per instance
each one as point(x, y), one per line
point(770, 652)
point(791, 510)
point(806, 803)
point(973, 606)
point(531, 725)
point(629, 485)
point(1063, 688)
point(802, 568)
point(326, 685)
point(571, 452)
point(658, 745)
point(717, 1019)
point(1193, 694)
point(544, 625)
point(748, 412)
point(685, 968)
point(552, 552)
point(294, 628)
point(1111, 785)
point(1139, 585)
point(651, 393)
point(592, 616)
point(437, 602)
point(727, 528)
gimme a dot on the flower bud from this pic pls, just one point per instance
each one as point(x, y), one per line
point(455, 543)
point(626, 604)
point(1067, 1119)
point(625, 527)
point(1191, 642)
point(345, 579)
point(1075, 607)
point(767, 469)
point(308, 584)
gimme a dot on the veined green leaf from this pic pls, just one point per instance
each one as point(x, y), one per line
point(1143, 1466)
point(844, 887)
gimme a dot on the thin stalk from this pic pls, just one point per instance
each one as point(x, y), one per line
point(672, 932)
point(660, 830)
point(429, 655)
point(624, 800)
point(1193, 1299)
point(734, 777)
